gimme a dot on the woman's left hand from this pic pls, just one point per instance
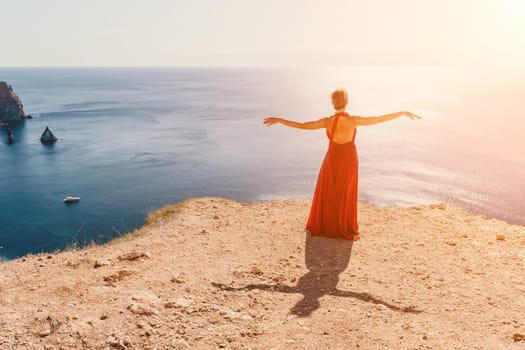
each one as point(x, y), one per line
point(271, 120)
point(412, 115)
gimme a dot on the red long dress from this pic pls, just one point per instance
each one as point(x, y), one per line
point(334, 207)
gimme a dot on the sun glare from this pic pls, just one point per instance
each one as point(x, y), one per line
point(496, 31)
point(508, 16)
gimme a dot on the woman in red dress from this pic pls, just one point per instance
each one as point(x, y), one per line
point(334, 206)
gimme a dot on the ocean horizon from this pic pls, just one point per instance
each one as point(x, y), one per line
point(135, 139)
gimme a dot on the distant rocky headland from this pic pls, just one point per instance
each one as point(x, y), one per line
point(11, 108)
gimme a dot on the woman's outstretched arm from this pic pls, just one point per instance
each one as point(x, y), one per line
point(317, 124)
point(383, 118)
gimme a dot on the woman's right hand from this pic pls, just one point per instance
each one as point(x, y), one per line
point(271, 120)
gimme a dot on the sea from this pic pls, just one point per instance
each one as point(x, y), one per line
point(132, 140)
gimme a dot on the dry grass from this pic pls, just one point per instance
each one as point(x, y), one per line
point(154, 217)
point(126, 236)
point(165, 213)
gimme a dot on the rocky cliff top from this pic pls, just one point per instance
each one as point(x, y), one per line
point(211, 273)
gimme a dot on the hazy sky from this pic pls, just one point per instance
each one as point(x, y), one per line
point(260, 33)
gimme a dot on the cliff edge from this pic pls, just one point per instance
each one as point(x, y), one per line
point(211, 273)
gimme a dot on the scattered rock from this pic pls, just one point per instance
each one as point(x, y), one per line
point(179, 278)
point(100, 263)
point(145, 297)
point(48, 326)
point(179, 344)
point(233, 315)
point(500, 237)
point(170, 305)
point(257, 270)
point(279, 278)
point(117, 276)
point(120, 344)
point(131, 256)
point(381, 307)
point(518, 337)
point(44, 333)
point(183, 302)
point(141, 309)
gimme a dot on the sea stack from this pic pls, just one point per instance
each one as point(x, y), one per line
point(48, 137)
point(11, 108)
point(10, 136)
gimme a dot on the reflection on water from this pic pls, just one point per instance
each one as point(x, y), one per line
point(132, 140)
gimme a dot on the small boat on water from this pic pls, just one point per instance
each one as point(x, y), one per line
point(48, 137)
point(68, 200)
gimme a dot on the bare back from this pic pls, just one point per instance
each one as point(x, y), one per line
point(345, 128)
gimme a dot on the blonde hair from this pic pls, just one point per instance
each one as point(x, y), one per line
point(339, 98)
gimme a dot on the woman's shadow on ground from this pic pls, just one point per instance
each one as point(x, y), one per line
point(325, 259)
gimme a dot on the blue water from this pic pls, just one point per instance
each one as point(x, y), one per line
point(133, 140)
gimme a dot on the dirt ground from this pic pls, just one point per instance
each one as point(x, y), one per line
point(211, 273)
